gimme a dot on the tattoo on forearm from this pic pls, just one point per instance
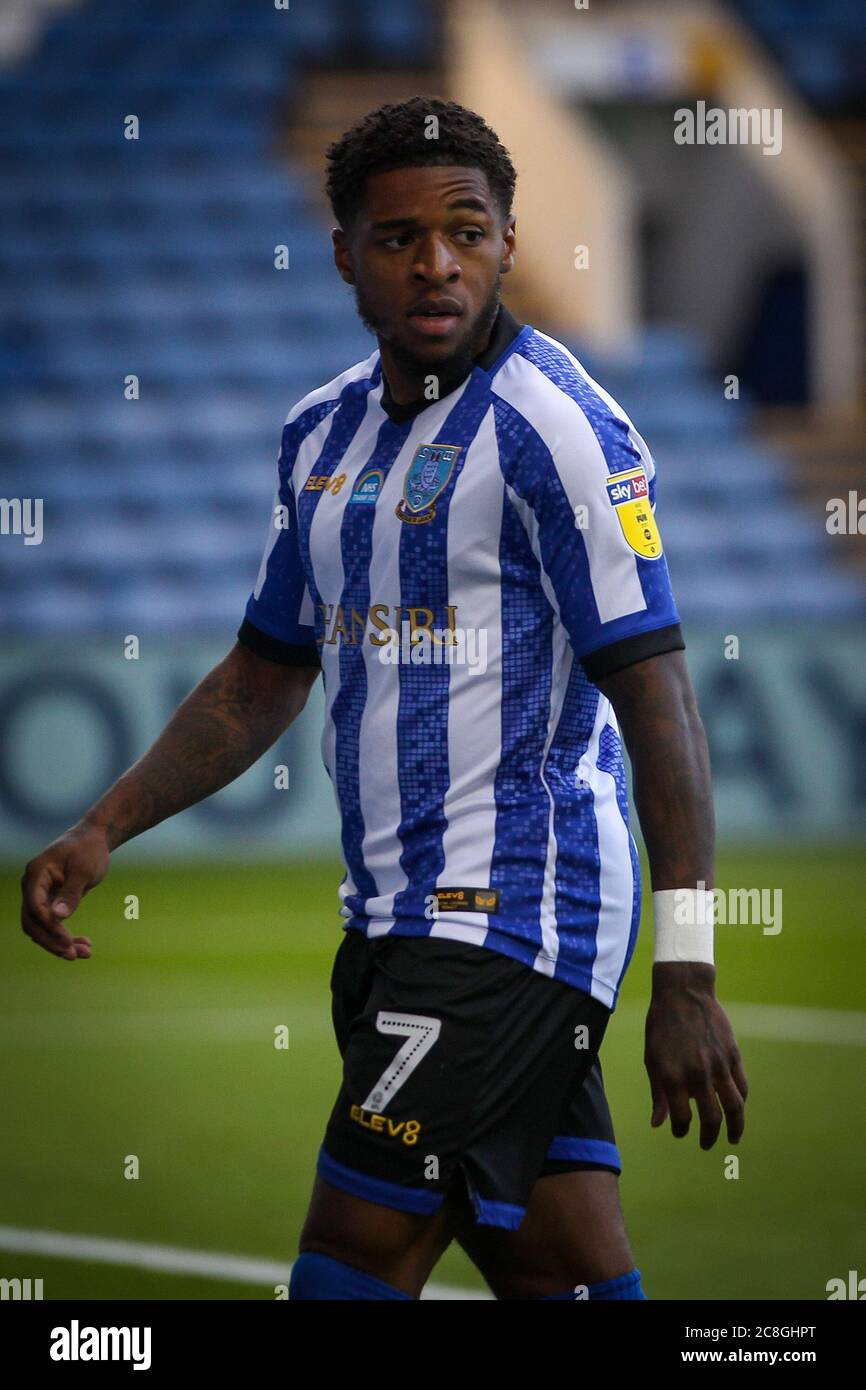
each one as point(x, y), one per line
point(221, 728)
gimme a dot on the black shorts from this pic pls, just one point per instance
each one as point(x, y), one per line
point(459, 1060)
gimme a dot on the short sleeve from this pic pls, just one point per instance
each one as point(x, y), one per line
point(278, 620)
point(586, 494)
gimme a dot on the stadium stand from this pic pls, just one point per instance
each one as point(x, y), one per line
point(154, 257)
point(821, 47)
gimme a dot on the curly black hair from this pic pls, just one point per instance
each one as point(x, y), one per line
point(395, 137)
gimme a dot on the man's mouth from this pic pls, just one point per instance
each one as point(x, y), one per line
point(435, 320)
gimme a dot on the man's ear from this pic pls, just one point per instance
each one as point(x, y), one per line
point(342, 255)
point(509, 231)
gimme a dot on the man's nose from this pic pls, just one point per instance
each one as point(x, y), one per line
point(435, 260)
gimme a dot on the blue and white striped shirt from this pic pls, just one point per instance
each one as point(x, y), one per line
point(463, 570)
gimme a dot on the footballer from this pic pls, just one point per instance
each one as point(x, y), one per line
point(465, 492)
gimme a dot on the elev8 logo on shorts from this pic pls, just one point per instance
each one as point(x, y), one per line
point(406, 1130)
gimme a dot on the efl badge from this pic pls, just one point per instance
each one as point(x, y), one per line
point(629, 495)
point(368, 486)
point(426, 476)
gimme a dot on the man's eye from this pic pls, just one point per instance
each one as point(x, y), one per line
point(401, 239)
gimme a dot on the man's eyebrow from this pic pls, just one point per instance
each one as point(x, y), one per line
point(468, 201)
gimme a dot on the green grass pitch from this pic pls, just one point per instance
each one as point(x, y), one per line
point(161, 1046)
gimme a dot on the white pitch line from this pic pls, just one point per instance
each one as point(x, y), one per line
point(167, 1259)
point(311, 1022)
point(787, 1023)
point(777, 1023)
point(306, 1022)
point(170, 1259)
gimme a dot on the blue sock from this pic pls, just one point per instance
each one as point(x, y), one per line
point(318, 1276)
point(624, 1286)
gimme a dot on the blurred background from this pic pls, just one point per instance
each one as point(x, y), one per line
point(167, 294)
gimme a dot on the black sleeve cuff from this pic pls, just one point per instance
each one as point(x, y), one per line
point(272, 649)
point(618, 655)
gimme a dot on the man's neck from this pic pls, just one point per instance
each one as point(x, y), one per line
point(504, 328)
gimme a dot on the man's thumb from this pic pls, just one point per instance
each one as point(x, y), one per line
point(69, 898)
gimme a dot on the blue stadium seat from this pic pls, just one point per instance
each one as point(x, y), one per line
point(156, 257)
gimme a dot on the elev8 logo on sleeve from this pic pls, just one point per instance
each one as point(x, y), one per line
point(628, 493)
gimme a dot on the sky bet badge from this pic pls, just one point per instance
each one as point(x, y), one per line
point(426, 476)
point(629, 494)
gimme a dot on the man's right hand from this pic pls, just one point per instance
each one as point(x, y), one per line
point(53, 885)
point(223, 726)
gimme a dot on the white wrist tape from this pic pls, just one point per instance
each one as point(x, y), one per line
point(684, 919)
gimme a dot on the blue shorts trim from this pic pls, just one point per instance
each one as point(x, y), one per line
point(585, 1151)
point(387, 1194)
point(503, 1214)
